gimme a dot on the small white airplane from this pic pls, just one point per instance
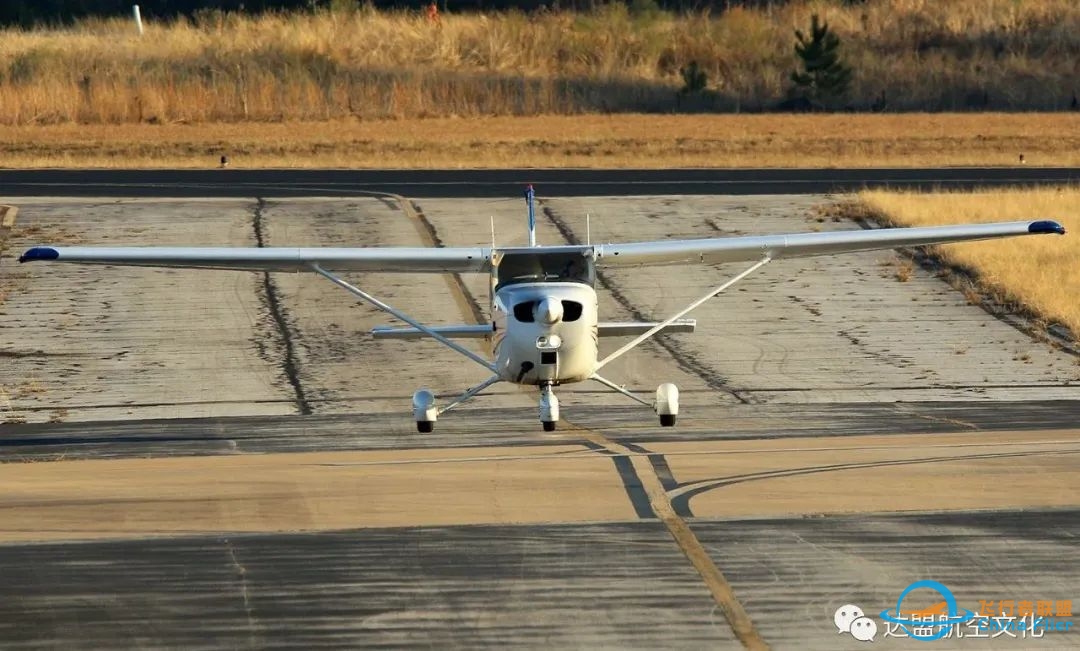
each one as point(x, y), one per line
point(545, 324)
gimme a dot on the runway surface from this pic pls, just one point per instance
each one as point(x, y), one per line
point(125, 439)
point(507, 183)
point(234, 466)
point(552, 544)
point(583, 586)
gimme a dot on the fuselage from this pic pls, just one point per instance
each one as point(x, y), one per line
point(545, 332)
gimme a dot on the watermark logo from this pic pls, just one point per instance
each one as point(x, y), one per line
point(936, 627)
point(944, 618)
point(851, 619)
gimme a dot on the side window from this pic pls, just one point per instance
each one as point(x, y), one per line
point(523, 312)
point(571, 310)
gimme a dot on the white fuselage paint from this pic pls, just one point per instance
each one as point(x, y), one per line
point(552, 327)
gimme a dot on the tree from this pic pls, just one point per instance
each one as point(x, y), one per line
point(824, 78)
point(694, 79)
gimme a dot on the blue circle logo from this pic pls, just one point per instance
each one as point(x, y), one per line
point(942, 625)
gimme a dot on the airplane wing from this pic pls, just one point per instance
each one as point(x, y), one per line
point(468, 331)
point(745, 249)
point(381, 259)
point(478, 259)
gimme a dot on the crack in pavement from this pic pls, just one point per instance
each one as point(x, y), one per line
point(289, 366)
point(241, 572)
point(466, 301)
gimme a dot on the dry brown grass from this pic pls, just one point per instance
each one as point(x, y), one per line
point(1040, 273)
point(906, 54)
point(833, 140)
point(904, 270)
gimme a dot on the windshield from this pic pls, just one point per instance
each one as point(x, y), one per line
point(546, 267)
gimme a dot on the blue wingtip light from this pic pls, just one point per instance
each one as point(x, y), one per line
point(39, 253)
point(1046, 226)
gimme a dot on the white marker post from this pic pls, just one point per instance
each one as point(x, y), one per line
point(138, 18)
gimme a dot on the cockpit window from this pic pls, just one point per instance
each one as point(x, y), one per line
point(547, 267)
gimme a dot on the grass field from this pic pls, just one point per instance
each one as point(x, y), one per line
point(1039, 274)
point(921, 55)
point(613, 141)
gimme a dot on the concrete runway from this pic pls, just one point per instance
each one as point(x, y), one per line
point(234, 464)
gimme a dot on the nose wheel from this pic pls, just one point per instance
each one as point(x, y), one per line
point(549, 408)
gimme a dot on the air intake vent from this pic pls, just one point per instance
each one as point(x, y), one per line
point(571, 310)
point(523, 312)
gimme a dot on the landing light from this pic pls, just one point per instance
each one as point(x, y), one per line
point(548, 342)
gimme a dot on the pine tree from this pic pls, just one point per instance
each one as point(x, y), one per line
point(824, 78)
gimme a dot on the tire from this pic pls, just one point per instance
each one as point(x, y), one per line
point(425, 426)
point(667, 420)
point(549, 425)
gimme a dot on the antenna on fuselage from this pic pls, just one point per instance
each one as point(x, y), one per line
point(588, 230)
point(493, 231)
point(529, 197)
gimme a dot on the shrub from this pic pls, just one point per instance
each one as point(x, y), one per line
point(694, 79)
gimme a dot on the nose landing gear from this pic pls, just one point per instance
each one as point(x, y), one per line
point(549, 408)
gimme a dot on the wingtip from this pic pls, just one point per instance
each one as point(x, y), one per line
point(39, 253)
point(1046, 226)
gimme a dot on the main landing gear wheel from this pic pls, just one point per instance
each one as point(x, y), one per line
point(424, 411)
point(549, 425)
point(667, 404)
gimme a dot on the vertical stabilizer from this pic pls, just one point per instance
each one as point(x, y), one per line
point(530, 196)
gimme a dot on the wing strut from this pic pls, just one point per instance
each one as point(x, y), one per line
point(368, 298)
point(615, 387)
point(663, 324)
point(468, 395)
